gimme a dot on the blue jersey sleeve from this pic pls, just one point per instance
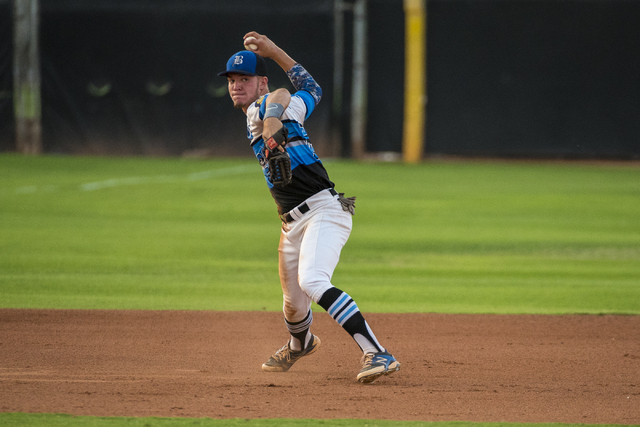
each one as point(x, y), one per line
point(309, 102)
point(306, 97)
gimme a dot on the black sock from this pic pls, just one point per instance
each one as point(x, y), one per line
point(344, 310)
point(299, 331)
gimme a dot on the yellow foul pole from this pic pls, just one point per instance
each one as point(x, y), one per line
point(414, 80)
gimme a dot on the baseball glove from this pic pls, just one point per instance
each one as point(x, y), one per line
point(279, 160)
point(280, 168)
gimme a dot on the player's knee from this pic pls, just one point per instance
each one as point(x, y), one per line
point(314, 287)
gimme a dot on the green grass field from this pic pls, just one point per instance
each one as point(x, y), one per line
point(202, 234)
point(466, 237)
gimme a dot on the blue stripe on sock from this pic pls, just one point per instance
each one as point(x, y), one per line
point(347, 313)
point(336, 305)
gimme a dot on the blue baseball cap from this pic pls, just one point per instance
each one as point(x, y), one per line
point(246, 62)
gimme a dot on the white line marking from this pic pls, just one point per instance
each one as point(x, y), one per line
point(142, 180)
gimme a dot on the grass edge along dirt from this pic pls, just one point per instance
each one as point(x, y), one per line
point(15, 419)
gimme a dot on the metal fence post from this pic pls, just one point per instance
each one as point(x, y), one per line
point(26, 77)
point(360, 81)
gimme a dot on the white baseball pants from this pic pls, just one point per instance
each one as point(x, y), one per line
point(309, 252)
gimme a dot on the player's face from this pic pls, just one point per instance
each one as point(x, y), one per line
point(245, 89)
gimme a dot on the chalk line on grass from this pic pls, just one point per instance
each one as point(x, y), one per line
point(142, 180)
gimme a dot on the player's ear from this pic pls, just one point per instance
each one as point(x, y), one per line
point(264, 84)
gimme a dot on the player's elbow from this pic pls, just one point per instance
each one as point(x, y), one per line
point(279, 94)
point(316, 92)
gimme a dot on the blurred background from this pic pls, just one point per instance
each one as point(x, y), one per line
point(502, 78)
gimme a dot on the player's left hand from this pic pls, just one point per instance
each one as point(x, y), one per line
point(275, 141)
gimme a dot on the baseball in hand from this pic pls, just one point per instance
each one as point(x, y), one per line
point(249, 45)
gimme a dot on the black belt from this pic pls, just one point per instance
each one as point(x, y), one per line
point(303, 208)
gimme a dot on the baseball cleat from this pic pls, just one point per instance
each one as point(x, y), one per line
point(375, 365)
point(284, 358)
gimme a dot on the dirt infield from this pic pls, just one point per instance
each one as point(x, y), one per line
point(569, 369)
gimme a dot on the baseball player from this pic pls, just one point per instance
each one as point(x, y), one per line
point(316, 220)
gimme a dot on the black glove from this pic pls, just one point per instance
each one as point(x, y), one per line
point(279, 160)
point(280, 168)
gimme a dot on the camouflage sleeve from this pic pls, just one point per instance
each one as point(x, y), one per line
point(302, 80)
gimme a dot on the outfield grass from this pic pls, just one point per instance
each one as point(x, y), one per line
point(449, 237)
